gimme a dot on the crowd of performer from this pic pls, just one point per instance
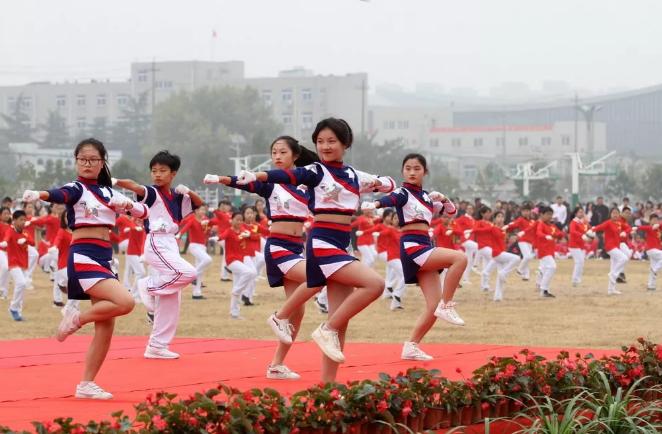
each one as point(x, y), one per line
point(312, 212)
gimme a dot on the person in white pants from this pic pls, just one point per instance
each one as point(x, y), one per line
point(16, 242)
point(464, 225)
point(135, 250)
point(504, 262)
point(614, 234)
point(653, 249)
point(576, 241)
point(526, 233)
point(243, 272)
point(255, 255)
point(483, 234)
point(197, 227)
point(546, 233)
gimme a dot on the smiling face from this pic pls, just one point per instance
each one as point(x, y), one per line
point(282, 156)
point(329, 148)
point(89, 162)
point(413, 171)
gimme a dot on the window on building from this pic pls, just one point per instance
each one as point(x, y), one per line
point(11, 104)
point(470, 172)
point(142, 76)
point(403, 125)
point(434, 143)
point(456, 142)
point(391, 125)
point(287, 120)
point(478, 142)
point(81, 101)
point(167, 84)
point(40, 161)
point(500, 141)
point(101, 99)
point(122, 100)
point(306, 94)
point(266, 97)
point(546, 141)
point(286, 96)
point(523, 141)
point(80, 123)
point(307, 120)
point(565, 140)
point(386, 125)
point(61, 100)
point(26, 103)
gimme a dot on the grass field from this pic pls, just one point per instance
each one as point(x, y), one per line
point(579, 317)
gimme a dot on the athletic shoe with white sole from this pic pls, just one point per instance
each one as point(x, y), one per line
point(159, 353)
point(281, 372)
point(411, 351)
point(90, 390)
point(281, 327)
point(329, 343)
point(69, 325)
point(447, 313)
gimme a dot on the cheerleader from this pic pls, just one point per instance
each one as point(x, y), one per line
point(463, 228)
point(287, 208)
point(197, 227)
point(546, 232)
point(92, 207)
point(576, 242)
point(526, 236)
point(421, 262)
point(653, 248)
point(503, 261)
point(614, 233)
point(335, 190)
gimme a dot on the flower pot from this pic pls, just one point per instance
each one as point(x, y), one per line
point(477, 416)
point(468, 415)
point(502, 408)
point(415, 423)
point(514, 407)
point(432, 418)
point(462, 416)
point(354, 427)
point(445, 419)
point(377, 428)
point(401, 424)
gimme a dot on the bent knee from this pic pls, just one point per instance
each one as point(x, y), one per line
point(126, 305)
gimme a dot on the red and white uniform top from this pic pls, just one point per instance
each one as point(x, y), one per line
point(17, 253)
point(62, 242)
point(576, 230)
point(391, 238)
point(652, 237)
point(528, 226)
point(547, 247)
point(612, 231)
point(196, 231)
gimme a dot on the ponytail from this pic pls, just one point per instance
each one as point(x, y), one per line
point(306, 157)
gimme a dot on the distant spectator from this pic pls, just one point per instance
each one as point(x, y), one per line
point(560, 212)
point(600, 214)
point(625, 204)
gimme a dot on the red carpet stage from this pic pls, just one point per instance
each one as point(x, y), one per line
point(38, 376)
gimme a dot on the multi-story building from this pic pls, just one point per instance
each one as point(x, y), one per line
point(40, 158)
point(409, 125)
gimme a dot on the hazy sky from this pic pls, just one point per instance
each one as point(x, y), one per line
point(595, 44)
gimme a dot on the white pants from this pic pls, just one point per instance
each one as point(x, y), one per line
point(388, 279)
point(368, 254)
point(133, 266)
point(61, 278)
point(224, 266)
point(243, 273)
point(50, 261)
point(527, 256)
point(547, 268)
point(257, 262)
point(123, 245)
point(578, 256)
point(18, 276)
point(470, 249)
point(322, 296)
point(395, 267)
point(625, 249)
point(202, 261)
point(170, 272)
point(618, 260)
point(4, 273)
point(166, 318)
point(505, 263)
point(655, 259)
point(33, 258)
point(484, 255)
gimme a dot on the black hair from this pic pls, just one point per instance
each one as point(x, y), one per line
point(340, 128)
point(247, 208)
point(526, 206)
point(653, 216)
point(387, 212)
point(63, 221)
point(302, 155)
point(497, 213)
point(167, 159)
point(614, 209)
point(224, 202)
point(105, 178)
point(483, 210)
point(414, 156)
point(544, 209)
point(626, 208)
point(576, 210)
point(18, 213)
point(3, 209)
point(236, 213)
point(7, 199)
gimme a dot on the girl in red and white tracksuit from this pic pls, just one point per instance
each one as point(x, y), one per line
point(236, 252)
point(546, 234)
point(365, 242)
point(5, 218)
point(390, 236)
point(135, 248)
point(463, 228)
point(197, 227)
point(502, 260)
point(525, 228)
point(576, 243)
point(615, 232)
point(653, 248)
point(255, 256)
point(61, 243)
point(483, 234)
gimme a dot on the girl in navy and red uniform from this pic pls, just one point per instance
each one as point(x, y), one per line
point(92, 207)
point(334, 190)
point(287, 208)
point(421, 261)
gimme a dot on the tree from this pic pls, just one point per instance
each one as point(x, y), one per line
point(488, 178)
point(651, 184)
point(18, 127)
point(370, 157)
point(131, 132)
point(539, 189)
point(55, 173)
point(98, 129)
point(198, 126)
point(621, 185)
point(56, 131)
point(124, 169)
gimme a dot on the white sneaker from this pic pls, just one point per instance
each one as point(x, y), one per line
point(396, 303)
point(614, 292)
point(69, 324)
point(145, 296)
point(447, 313)
point(411, 351)
point(90, 390)
point(329, 343)
point(281, 327)
point(281, 372)
point(159, 353)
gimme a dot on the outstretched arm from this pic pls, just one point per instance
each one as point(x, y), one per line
point(130, 185)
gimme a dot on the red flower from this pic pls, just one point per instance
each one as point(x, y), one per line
point(201, 412)
point(382, 406)
point(485, 406)
point(77, 430)
point(192, 421)
point(458, 370)
point(159, 423)
point(55, 427)
point(335, 394)
point(547, 389)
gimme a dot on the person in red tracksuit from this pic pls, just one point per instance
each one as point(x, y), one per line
point(525, 228)
point(255, 255)
point(61, 245)
point(614, 233)
point(5, 219)
point(135, 249)
point(197, 227)
point(463, 229)
point(626, 245)
point(576, 241)
point(221, 221)
point(16, 241)
point(503, 261)
point(51, 222)
point(546, 234)
point(365, 242)
point(483, 234)
point(390, 235)
point(653, 248)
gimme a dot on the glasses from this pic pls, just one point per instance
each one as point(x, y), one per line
point(89, 161)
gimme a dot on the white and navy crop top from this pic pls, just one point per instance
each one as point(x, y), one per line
point(166, 209)
point(285, 203)
point(333, 187)
point(87, 204)
point(413, 205)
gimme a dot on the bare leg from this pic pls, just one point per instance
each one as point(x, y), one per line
point(431, 288)
point(338, 295)
point(112, 299)
point(452, 260)
point(300, 296)
point(96, 353)
point(295, 319)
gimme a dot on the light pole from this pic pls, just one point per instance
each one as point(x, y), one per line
point(589, 112)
